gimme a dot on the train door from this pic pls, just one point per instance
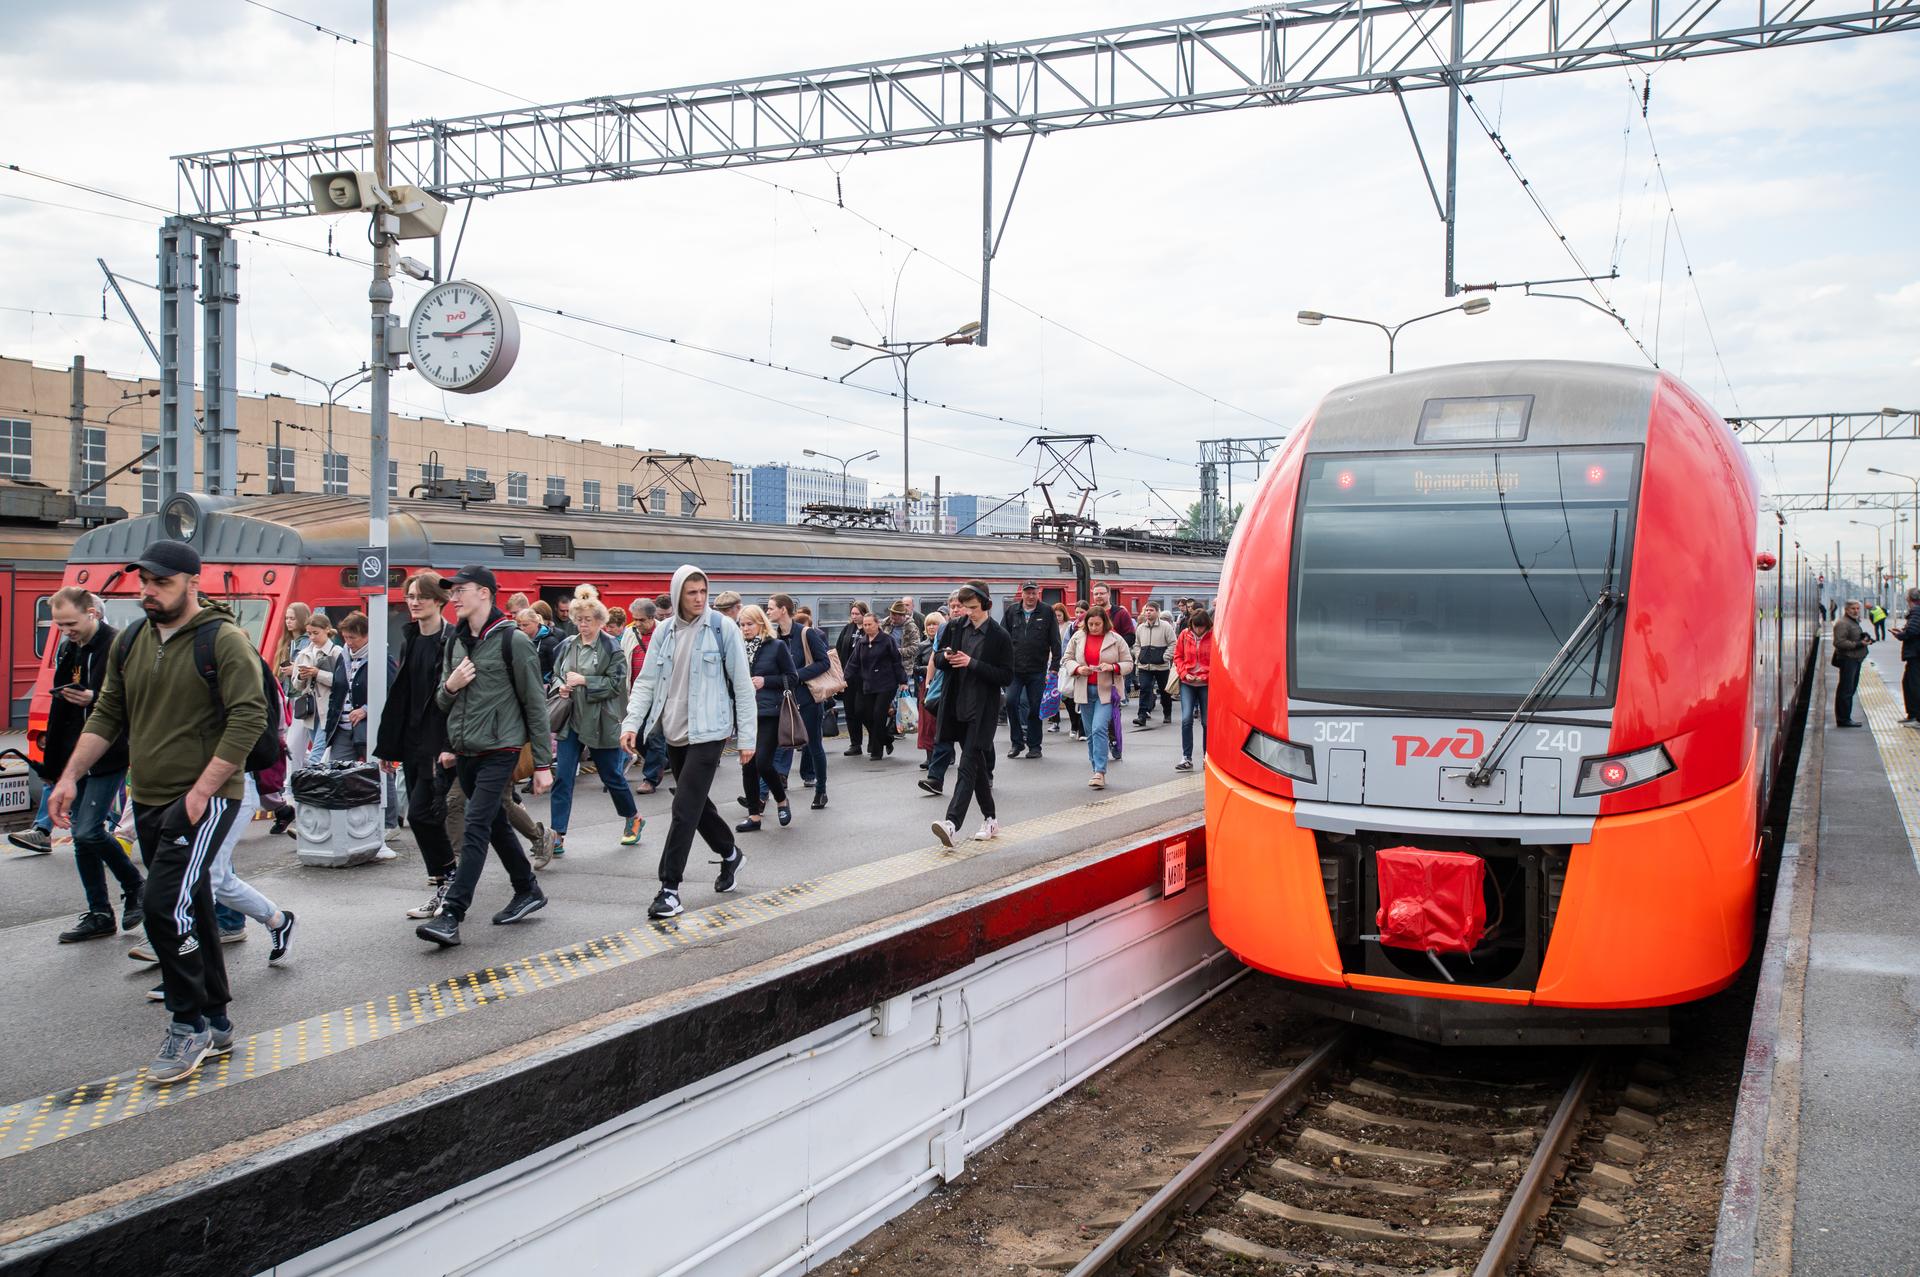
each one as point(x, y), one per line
point(7, 641)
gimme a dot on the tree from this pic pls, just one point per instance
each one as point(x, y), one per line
point(1193, 525)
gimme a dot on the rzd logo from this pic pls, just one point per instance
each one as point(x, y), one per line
point(1467, 745)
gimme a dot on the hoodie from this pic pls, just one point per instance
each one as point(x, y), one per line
point(695, 682)
point(159, 701)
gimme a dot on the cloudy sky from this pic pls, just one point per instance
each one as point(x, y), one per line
point(1147, 282)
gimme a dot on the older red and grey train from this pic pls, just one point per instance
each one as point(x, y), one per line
point(262, 554)
point(1502, 687)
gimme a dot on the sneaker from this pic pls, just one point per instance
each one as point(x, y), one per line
point(282, 822)
point(158, 993)
point(988, 831)
point(34, 839)
point(133, 915)
point(439, 897)
point(1053, 727)
point(237, 936)
point(281, 936)
point(556, 845)
point(221, 1040)
point(931, 788)
point(443, 930)
point(819, 801)
point(1033, 752)
point(1184, 765)
point(541, 853)
point(142, 953)
point(630, 835)
point(180, 1054)
point(645, 787)
point(1099, 781)
point(1016, 751)
point(945, 832)
point(189, 945)
point(91, 926)
point(385, 852)
point(666, 904)
point(522, 904)
point(729, 872)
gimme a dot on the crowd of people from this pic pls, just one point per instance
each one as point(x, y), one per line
point(168, 736)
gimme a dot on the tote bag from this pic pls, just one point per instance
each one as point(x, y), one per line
point(793, 728)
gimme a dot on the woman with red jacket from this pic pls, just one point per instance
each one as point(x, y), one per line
point(1192, 661)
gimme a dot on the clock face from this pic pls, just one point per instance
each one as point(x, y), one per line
point(462, 337)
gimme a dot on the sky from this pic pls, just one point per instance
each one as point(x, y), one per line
point(1148, 276)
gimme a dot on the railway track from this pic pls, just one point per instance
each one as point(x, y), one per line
point(1362, 1165)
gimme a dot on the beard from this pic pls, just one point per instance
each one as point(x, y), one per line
point(160, 614)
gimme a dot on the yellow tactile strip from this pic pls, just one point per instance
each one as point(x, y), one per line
point(1899, 749)
point(47, 1119)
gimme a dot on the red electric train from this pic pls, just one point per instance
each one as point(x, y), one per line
point(1502, 687)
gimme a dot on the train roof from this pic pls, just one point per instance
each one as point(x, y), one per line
point(330, 530)
point(1572, 403)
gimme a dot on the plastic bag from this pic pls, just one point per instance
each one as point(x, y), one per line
point(338, 786)
point(1050, 695)
point(906, 714)
point(1431, 900)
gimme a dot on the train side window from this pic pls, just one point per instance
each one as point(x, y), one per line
point(42, 624)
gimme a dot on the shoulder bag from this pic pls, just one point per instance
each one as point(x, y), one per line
point(830, 683)
point(793, 728)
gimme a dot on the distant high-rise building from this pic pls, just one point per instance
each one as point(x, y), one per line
point(781, 493)
point(961, 514)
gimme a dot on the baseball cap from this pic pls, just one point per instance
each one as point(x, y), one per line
point(168, 558)
point(475, 574)
point(1029, 585)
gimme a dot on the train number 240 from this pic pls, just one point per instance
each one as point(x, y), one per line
point(1561, 741)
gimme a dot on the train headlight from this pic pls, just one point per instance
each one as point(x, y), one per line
point(180, 518)
point(1283, 756)
point(1611, 773)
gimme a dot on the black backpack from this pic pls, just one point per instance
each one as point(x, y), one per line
point(267, 750)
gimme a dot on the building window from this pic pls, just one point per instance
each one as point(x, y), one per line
point(16, 448)
point(149, 474)
point(333, 481)
point(657, 501)
point(624, 493)
point(516, 487)
point(93, 461)
point(590, 494)
point(476, 474)
point(393, 478)
point(432, 472)
point(556, 485)
point(279, 469)
point(689, 504)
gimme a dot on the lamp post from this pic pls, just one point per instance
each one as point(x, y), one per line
point(1093, 505)
point(333, 396)
point(1915, 482)
point(1891, 564)
point(903, 352)
point(1472, 306)
point(844, 463)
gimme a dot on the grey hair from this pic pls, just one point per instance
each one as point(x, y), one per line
point(1851, 603)
point(1913, 595)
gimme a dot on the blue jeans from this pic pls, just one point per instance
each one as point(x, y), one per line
point(95, 849)
point(1099, 724)
point(566, 767)
point(1193, 701)
point(941, 760)
point(41, 820)
point(653, 758)
point(1023, 710)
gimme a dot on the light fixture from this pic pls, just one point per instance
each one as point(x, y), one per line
point(1311, 318)
point(1477, 306)
point(842, 343)
point(967, 329)
point(282, 369)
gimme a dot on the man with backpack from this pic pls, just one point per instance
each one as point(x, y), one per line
point(490, 692)
point(188, 744)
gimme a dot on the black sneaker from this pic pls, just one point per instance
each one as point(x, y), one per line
point(282, 821)
point(133, 915)
point(92, 926)
point(666, 904)
point(929, 787)
point(281, 936)
point(1034, 752)
point(1016, 751)
point(158, 993)
point(522, 904)
point(443, 930)
point(729, 872)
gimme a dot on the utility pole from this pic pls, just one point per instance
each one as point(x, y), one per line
point(380, 294)
point(77, 429)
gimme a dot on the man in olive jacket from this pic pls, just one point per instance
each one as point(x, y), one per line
point(1849, 650)
point(186, 746)
point(490, 691)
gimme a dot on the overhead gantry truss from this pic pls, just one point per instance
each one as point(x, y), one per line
point(1300, 51)
point(1790, 501)
point(1828, 427)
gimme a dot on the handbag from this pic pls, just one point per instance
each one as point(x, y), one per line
point(793, 728)
point(1050, 695)
point(832, 681)
point(559, 707)
point(524, 768)
point(303, 706)
point(906, 714)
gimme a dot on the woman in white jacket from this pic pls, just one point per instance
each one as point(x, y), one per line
point(312, 673)
point(1097, 661)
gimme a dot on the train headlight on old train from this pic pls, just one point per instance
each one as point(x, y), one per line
point(180, 517)
point(1611, 773)
point(1283, 756)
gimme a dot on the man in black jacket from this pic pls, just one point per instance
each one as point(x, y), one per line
point(1909, 636)
point(977, 659)
point(79, 668)
point(413, 733)
point(850, 699)
point(1036, 649)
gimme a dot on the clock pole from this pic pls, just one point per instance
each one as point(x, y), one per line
point(380, 294)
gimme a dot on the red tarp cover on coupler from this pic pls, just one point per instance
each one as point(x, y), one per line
point(1431, 899)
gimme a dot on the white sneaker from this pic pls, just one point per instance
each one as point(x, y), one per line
point(989, 830)
point(385, 853)
point(944, 830)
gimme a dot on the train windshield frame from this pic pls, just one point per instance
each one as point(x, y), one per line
point(1447, 580)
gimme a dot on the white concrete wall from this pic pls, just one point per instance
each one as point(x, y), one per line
point(779, 1163)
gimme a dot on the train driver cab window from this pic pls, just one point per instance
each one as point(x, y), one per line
point(42, 624)
point(122, 610)
point(1450, 580)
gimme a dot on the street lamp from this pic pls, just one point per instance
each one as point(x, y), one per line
point(334, 393)
point(1891, 564)
point(844, 463)
point(903, 352)
point(1895, 474)
point(1472, 306)
point(1093, 506)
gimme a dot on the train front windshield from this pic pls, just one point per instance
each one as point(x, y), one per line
point(1449, 580)
point(121, 610)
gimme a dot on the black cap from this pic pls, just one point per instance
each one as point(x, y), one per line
point(475, 574)
point(1029, 585)
point(168, 558)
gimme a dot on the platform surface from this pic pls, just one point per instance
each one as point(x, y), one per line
point(1857, 1194)
point(363, 1006)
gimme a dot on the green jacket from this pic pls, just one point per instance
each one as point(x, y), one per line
point(601, 702)
point(164, 707)
point(498, 710)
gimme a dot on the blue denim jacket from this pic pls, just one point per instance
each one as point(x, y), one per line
point(720, 693)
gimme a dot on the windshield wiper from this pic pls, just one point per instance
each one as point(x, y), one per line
point(1593, 624)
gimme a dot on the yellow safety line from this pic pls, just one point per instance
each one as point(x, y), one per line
point(1899, 749)
point(274, 1050)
